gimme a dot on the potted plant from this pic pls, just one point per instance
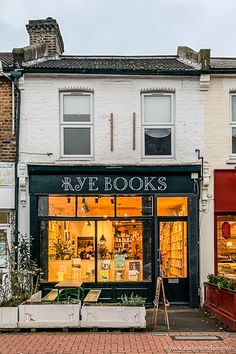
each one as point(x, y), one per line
point(220, 299)
point(129, 313)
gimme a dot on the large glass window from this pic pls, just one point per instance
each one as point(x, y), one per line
point(226, 245)
point(111, 226)
point(158, 124)
point(76, 124)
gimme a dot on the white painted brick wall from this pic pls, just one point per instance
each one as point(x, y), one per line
point(40, 121)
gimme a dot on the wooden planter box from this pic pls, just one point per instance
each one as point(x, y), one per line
point(49, 315)
point(8, 317)
point(103, 316)
point(221, 303)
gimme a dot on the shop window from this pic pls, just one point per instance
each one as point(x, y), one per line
point(68, 250)
point(172, 206)
point(76, 124)
point(226, 245)
point(56, 206)
point(96, 206)
point(157, 125)
point(124, 251)
point(133, 206)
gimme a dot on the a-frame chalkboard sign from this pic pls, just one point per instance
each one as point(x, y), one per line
point(160, 291)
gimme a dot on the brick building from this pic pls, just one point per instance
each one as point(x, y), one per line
point(7, 160)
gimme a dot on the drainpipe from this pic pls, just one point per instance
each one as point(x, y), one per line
point(15, 76)
point(16, 95)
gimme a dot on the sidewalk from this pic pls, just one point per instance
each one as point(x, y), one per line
point(191, 331)
point(109, 343)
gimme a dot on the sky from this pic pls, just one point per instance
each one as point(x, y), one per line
point(126, 27)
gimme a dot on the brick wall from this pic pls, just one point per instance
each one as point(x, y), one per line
point(7, 139)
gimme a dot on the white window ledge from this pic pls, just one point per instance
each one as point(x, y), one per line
point(231, 161)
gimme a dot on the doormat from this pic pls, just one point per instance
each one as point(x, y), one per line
point(196, 338)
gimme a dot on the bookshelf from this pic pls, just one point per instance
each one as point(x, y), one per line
point(173, 248)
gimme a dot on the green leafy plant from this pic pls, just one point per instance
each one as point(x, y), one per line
point(222, 282)
point(132, 300)
point(23, 280)
point(61, 250)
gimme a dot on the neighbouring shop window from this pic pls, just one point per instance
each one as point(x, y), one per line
point(158, 124)
point(226, 245)
point(76, 124)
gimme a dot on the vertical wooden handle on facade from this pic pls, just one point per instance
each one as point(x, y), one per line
point(111, 130)
point(134, 130)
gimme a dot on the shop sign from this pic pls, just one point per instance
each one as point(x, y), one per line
point(107, 184)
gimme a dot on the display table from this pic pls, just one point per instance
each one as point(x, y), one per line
point(71, 287)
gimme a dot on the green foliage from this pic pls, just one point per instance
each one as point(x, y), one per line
point(133, 300)
point(222, 282)
point(103, 251)
point(22, 281)
point(61, 250)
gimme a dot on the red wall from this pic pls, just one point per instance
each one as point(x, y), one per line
point(225, 190)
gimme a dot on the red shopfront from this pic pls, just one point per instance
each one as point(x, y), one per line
point(225, 222)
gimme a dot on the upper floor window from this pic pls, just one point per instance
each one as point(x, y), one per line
point(157, 125)
point(233, 125)
point(76, 124)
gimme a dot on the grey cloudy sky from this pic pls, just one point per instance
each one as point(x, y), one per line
point(129, 27)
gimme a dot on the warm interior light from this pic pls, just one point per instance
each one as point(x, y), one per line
point(102, 238)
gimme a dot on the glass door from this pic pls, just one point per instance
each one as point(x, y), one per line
point(173, 260)
point(172, 244)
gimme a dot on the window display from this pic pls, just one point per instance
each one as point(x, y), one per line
point(98, 245)
point(226, 245)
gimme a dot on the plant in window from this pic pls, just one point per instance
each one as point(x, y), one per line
point(103, 251)
point(62, 250)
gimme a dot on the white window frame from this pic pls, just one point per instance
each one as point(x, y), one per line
point(164, 125)
point(73, 124)
point(232, 124)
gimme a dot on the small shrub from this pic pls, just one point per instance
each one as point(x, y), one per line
point(133, 300)
point(221, 282)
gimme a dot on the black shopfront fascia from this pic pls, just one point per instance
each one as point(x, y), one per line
point(123, 180)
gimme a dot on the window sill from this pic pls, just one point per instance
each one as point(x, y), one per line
point(231, 161)
point(71, 159)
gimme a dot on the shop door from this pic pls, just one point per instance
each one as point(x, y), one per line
point(172, 259)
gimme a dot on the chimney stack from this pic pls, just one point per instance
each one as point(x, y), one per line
point(46, 31)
